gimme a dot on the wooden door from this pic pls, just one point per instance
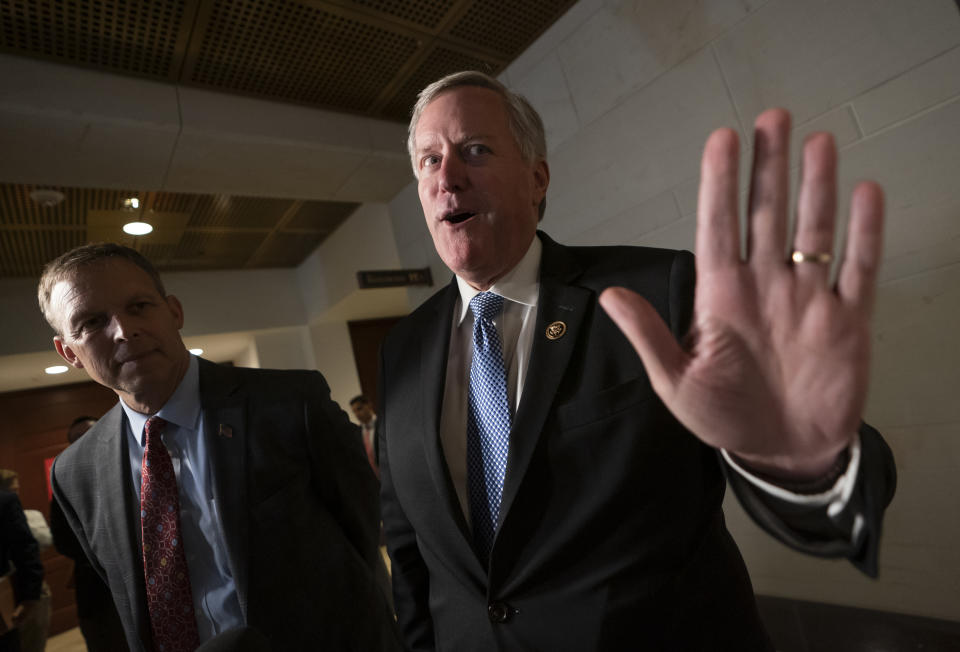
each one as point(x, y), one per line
point(367, 336)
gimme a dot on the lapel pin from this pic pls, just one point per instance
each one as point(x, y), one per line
point(556, 330)
point(226, 431)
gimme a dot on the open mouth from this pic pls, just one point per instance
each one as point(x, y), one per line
point(458, 218)
point(137, 357)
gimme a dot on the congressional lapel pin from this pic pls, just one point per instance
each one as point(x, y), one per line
point(556, 330)
point(226, 431)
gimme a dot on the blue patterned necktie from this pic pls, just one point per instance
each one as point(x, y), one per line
point(488, 421)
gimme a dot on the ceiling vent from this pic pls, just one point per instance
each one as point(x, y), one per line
point(46, 197)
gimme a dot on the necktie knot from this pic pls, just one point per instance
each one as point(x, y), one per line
point(486, 306)
point(154, 427)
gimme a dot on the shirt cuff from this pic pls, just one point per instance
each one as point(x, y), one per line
point(835, 498)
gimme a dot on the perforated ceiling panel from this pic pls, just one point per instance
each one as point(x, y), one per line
point(238, 212)
point(440, 62)
point(427, 13)
point(191, 231)
point(23, 253)
point(360, 56)
point(507, 26)
point(143, 37)
point(321, 215)
point(292, 51)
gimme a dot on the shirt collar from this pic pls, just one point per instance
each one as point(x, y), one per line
point(521, 284)
point(182, 409)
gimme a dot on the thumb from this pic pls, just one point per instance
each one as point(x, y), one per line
point(650, 337)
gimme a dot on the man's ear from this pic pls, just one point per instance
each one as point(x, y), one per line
point(176, 309)
point(66, 353)
point(541, 180)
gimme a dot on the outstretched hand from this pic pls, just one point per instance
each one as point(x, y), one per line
point(775, 366)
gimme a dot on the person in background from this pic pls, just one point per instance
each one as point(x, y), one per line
point(33, 629)
point(78, 427)
point(96, 613)
point(19, 566)
point(363, 410)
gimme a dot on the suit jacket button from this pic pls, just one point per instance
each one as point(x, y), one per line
point(498, 612)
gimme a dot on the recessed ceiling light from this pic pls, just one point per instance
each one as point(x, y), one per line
point(131, 203)
point(57, 369)
point(137, 228)
point(196, 351)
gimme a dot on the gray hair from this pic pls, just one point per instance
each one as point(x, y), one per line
point(524, 121)
point(67, 265)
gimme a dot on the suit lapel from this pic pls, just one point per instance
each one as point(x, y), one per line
point(558, 302)
point(225, 430)
point(434, 348)
point(122, 516)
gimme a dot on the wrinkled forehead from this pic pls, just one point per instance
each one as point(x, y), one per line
point(71, 285)
point(98, 283)
point(462, 112)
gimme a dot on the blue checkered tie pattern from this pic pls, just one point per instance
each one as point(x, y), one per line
point(488, 421)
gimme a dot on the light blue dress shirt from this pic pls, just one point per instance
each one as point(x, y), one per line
point(215, 600)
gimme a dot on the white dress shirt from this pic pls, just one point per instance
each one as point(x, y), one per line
point(39, 528)
point(520, 288)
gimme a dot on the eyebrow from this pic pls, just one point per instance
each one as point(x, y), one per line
point(430, 141)
point(80, 317)
point(75, 320)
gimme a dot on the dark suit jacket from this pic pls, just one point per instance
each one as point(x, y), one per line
point(92, 595)
point(296, 498)
point(611, 534)
point(17, 546)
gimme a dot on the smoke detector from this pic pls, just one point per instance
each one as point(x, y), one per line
point(46, 197)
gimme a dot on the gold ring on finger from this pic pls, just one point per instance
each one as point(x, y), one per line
point(818, 257)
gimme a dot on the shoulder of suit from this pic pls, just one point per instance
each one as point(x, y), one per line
point(423, 313)
point(86, 448)
point(260, 381)
point(601, 259)
point(599, 267)
point(80, 453)
point(247, 373)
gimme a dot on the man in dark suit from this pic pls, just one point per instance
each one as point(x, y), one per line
point(210, 497)
point(19, 553)
point(546, 488)
point(99, 623)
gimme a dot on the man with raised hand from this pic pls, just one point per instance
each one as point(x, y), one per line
point(546, 488)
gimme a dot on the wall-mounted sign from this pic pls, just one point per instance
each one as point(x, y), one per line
point(391, 278)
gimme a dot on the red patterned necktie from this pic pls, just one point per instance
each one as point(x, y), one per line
point(169, 599)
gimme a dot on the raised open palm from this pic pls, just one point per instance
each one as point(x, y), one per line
point(775, 367)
